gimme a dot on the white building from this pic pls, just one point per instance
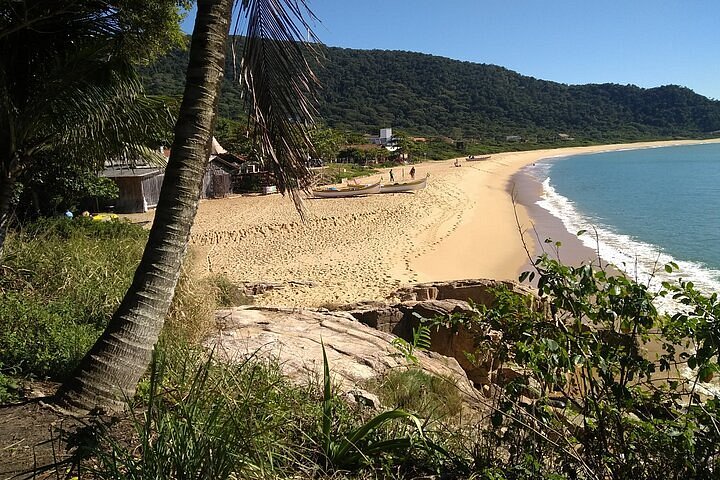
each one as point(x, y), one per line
point(385, 139)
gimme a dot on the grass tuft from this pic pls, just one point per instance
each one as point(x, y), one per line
point(414, 390)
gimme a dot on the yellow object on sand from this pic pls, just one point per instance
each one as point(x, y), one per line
point(104, 217)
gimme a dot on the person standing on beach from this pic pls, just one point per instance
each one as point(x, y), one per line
point(392, 177)
point(412, 173)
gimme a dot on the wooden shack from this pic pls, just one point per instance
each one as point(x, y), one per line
point(220, 176)
point(139, 187)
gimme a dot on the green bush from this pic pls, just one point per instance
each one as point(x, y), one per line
point(8, 388)
point(592, 403)
point(41, 338)
point(61, 281)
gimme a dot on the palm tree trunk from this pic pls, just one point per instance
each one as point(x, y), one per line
point(111, 370)
point(7, 185)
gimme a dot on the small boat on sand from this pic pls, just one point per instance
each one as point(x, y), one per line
point(404, 186)
point(346, 191)
point(473, 158)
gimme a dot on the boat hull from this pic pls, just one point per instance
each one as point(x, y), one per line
point(404, 187)
point(349, 191)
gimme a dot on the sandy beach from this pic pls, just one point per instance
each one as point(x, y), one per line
point(463, 225)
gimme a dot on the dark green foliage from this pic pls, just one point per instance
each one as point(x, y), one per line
point(607, 372)
point(8, 388)
point(42, 338)
point(61, 280)
point(435, 97)
point(56, 186)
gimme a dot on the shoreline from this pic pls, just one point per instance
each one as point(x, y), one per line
point(506, 179)
point(463, 225)
point(573, 250)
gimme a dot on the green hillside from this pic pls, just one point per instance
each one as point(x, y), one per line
point(364, 90)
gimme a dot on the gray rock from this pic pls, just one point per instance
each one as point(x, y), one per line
point(363, 398)
point(294, 338)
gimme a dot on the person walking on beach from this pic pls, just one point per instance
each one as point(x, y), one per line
point(392, 177)
point(412, 173)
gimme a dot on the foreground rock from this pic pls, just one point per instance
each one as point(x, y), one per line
point(445, 305)
point(358, 337)
point(356, 353)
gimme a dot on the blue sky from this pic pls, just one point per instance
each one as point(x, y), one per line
point(641, 42)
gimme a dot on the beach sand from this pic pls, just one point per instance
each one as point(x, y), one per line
point(463, 225)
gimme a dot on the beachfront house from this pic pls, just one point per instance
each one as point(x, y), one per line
point(139, 184)
point(218, 178)
point(513, 138)
point(385, 139)
point(138, 187)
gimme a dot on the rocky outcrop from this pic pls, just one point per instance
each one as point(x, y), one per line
point(358, 338)
point(443, 303)
point(294, 338)
point(478, 290)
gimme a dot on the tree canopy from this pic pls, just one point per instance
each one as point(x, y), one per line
point(69, 90)
point(364, 90)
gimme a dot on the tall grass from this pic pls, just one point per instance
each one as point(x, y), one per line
point(215, 421)
point(61, 280)
point(204, 419)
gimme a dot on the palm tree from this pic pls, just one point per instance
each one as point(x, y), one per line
point(278, 80)
point(68, 89)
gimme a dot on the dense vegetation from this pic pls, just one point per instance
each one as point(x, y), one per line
point(578, 396)
point(60, 281)
point(71, 98)
point(364, 91)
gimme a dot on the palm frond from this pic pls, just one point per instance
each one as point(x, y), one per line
point(101, 112)
point(68, 86)
point(280, 87)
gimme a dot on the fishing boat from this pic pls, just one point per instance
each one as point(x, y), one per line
point(404, 186)
point(346, 191)
point(473, 158)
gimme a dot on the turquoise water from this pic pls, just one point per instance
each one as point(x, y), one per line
point(649, 206)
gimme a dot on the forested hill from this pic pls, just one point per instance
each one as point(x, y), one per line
point(364, 90)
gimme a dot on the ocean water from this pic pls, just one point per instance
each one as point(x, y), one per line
point(648, 207)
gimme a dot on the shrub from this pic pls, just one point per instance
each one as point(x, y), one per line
point(61, 281)
point(600, 406)
point(42, 339)
point(228, 294)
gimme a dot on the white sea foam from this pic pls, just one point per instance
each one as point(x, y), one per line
point(641, 260)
